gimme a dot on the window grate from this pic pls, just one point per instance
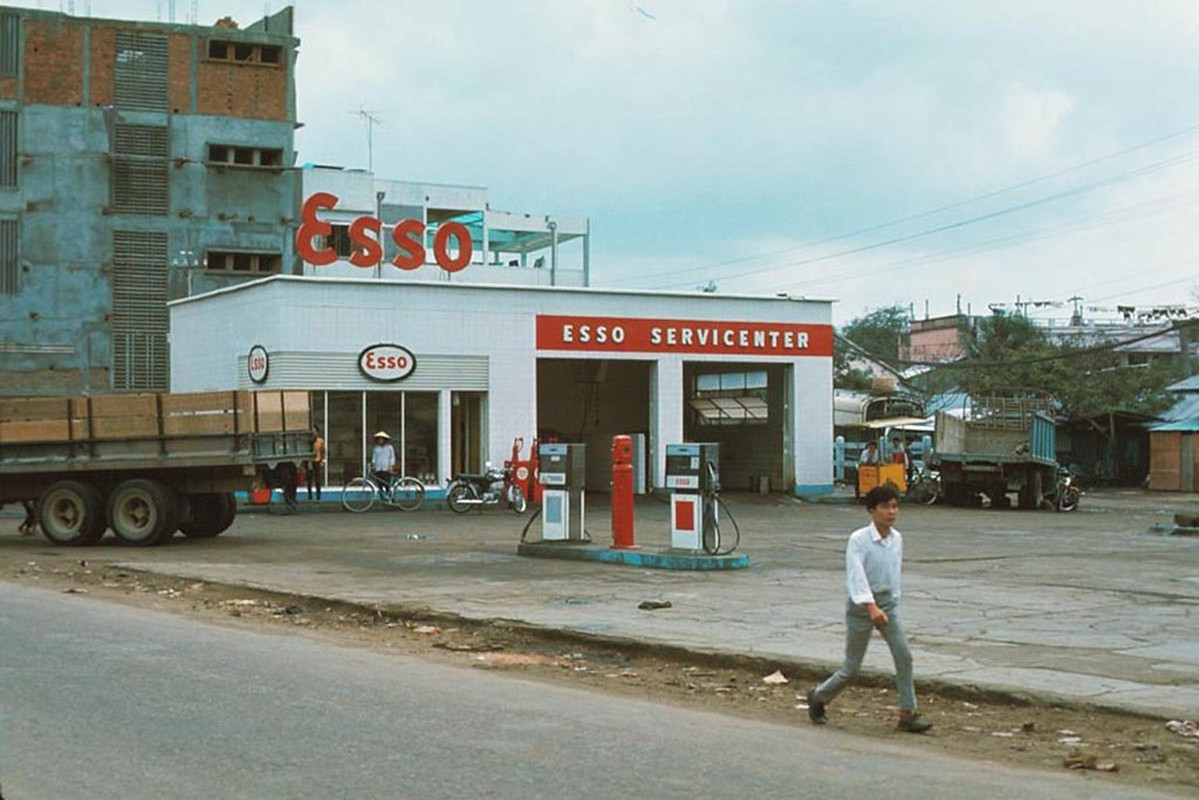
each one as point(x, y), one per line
point(141, 71)
point(140, 171)
point(139, 311)
point(10, 45)
point(8, 148)
point(10, 264)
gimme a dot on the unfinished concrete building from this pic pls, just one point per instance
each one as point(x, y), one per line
point(139, 162)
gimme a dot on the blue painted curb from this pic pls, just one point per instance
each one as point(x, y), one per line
point(653, 559)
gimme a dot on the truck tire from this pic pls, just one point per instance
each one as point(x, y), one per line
point(143, 513)
point(72, 514)
point(1032, 492)
point(211, 515)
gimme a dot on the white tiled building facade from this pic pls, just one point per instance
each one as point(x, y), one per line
point(494, 363)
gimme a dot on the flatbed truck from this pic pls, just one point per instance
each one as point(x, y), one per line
point(1001, 445)
point(147, 464)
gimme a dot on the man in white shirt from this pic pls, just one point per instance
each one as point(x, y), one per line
point(873, 565)
point(383, 458)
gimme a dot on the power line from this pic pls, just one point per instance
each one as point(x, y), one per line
point(1011, 240)
point(940, 209)
point(1131, 174)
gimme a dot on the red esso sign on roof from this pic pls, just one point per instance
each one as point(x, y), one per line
point(366, 237)
point(386, 362)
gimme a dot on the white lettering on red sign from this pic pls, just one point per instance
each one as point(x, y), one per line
point(386, 362)
point(634, 335)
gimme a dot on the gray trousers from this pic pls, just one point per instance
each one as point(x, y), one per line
point(857, 636)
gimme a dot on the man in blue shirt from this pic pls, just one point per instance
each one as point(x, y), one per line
point(873, 567)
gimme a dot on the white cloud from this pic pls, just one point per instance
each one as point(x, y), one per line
point(1032, 120)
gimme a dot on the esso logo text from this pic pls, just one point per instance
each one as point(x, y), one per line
point(366, 238)
point(386, 362)
point(258, 363)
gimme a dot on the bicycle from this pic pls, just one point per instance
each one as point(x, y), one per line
point(360, 494)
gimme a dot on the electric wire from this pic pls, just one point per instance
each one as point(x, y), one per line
point(949, 206)
point(1078, 190)
point(1075, 226)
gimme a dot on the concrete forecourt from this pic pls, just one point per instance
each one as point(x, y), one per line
point(1094, 607)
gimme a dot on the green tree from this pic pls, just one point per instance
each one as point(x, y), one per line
point(1011, 354)
point(877, 334)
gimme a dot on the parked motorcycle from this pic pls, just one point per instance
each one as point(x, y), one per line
point(925, 486)
point(490, 488)
point(1067, 494)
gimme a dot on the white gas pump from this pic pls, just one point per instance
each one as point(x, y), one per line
point(562, 470)
point(693, 478)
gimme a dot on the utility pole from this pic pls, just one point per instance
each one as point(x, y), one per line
point(1184, 347)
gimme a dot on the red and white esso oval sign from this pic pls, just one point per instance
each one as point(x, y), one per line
point(386, 362)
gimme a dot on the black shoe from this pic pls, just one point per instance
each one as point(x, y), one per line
point(913, 723)
point(816, 709)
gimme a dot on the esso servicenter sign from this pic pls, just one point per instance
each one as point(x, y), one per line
point(386, 362)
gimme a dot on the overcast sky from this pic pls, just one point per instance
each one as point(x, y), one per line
point(870, 151)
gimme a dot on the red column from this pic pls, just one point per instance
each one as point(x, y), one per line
point(622, 493)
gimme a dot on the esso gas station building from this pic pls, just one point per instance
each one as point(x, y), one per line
point(420, 313)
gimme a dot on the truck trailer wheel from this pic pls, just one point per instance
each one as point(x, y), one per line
point(211, 515)
point(142, 513)
point(72, 513)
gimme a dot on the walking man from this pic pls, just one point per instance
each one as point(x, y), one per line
point(873, 563)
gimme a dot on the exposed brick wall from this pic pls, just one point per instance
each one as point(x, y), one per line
point(254, 91)
point(8, 88)
point(179, 75)
point(54, 61)
point(103, 65)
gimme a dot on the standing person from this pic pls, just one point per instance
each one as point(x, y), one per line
point(899, 455)
point(316, 466)
point(869, 455)
point(29, 526)
point(383, 458)
point(873, 563)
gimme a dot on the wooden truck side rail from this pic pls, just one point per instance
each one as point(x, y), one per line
point(152, 431)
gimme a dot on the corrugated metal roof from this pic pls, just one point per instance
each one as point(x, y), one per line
point(1185, 425)
point(1190, 384)
point(1186, 407)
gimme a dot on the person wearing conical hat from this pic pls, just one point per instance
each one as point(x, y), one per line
point(383, 458)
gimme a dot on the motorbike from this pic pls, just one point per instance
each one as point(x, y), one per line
point(492, 487)
point(1067, 493)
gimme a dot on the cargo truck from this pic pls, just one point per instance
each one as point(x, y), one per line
point(145, 465)
point(1000, 445)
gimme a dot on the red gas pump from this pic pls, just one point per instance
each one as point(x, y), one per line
point(534, 494)
point(622, 493)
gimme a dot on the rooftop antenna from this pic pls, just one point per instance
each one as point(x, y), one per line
point(371, 118)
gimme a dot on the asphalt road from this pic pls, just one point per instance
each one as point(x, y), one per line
point(106, 701)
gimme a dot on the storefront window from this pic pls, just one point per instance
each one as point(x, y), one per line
point(420, 436)
point(343, 436)
point(409, 418)
point(383, 414)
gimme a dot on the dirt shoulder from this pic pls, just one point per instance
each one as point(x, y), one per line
point(1107, 746)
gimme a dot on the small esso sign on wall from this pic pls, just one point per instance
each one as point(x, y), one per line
point(386, 362)
point(258, 363)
